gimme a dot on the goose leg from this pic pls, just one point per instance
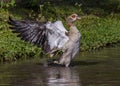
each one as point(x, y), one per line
point(65, 59)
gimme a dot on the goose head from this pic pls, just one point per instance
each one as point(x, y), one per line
point(72, 18)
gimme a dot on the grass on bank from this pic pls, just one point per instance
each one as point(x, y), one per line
point(96, 33)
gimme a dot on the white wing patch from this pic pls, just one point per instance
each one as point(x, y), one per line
point(56, 34)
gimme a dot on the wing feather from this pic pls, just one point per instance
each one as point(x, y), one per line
point(30, 31)
point(48, 35)
point(57, 34)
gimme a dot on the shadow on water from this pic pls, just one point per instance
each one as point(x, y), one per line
point(84, 63)
point(73, 64)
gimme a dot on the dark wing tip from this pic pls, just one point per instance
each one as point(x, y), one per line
point(10, 21)
point(10, 18)
point(30, 31)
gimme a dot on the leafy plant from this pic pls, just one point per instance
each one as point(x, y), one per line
point(7, 3)
point(98, 32)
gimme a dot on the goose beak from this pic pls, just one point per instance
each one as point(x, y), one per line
point(78, 18)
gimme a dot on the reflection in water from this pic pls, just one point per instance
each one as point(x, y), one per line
point(37, 75)
point(98, 68)
point(60, 76)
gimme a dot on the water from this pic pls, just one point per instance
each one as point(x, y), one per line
point(96, 68)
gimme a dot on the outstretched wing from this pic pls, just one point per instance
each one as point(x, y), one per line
point(48, 35)
point(32, 32)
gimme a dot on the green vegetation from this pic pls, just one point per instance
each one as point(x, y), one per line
point(99, 32)
point(11, 47)
point(100, 25)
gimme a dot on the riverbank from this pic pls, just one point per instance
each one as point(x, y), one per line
point(97, 31)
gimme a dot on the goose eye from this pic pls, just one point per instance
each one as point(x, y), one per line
point(73, 16)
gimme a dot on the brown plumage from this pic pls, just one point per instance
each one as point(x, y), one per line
point(71, 48)
point(50, 36)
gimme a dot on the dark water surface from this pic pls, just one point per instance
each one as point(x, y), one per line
point(96, 68)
